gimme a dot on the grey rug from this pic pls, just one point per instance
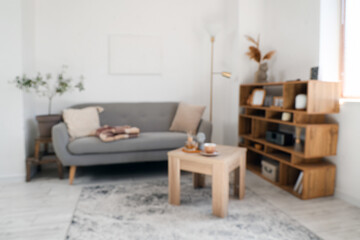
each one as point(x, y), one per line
point(140, 210)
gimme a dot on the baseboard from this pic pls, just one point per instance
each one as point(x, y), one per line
point(347, 198)
point(13, 178)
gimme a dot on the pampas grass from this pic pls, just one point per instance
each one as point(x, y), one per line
point(254, 51)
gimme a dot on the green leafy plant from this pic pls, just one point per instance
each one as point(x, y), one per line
point(47, 86)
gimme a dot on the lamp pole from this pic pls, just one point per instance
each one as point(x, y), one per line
point(212, 39)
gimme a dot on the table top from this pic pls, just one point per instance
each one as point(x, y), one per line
point(225, 153)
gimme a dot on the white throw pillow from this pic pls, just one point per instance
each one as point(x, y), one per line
point(82, 122)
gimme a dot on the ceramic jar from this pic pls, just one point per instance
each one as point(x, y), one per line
point(300, 101)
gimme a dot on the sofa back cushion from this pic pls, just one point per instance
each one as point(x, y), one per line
point(148, 116)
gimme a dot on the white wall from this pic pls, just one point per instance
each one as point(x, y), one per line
point(347, 159)
point(28, 63)
point(76, 33)
point(12, 154)
point(291, 27)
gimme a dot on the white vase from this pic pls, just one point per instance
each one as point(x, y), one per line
point(300, 101)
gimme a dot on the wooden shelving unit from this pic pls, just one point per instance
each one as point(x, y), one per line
point(319, 137)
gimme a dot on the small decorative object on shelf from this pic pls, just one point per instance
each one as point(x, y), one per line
point(257, 97)
point(300, 101)
point(279, 138)
point(42, 158)
point(270, 169)
point(255, 54)
point(49, 88)
point(314, 74)
point(258, 146)
point(285, 116)
point(298, 146)
point(278, 102)
point(268, 101)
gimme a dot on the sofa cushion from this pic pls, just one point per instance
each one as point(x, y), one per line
point(82, 122)
point(146, 141)
point(187, 118)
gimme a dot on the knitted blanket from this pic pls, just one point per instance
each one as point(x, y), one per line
point(109, 134)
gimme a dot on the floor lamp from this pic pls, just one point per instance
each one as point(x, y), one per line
point(213, 29)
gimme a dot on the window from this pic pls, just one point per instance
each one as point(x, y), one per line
point(350, 49)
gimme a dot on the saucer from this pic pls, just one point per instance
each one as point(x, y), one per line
point(210, 154)
point(184, 149)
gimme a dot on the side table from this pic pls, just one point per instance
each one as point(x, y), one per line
point(42, 158)
point(230, 159)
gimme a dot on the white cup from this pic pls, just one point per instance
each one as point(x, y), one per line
point(209, 147)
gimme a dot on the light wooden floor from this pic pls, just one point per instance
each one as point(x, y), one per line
point(42, 209)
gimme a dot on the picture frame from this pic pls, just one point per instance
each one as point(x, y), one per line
point(257, 97)
point(278, 102)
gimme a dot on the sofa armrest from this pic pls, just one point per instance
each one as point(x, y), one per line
point(60, 140)
point(205, 127)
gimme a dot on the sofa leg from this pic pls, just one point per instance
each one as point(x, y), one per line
point(72, 174)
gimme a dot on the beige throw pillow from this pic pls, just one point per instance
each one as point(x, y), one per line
point(187, 118)
point(82, 122)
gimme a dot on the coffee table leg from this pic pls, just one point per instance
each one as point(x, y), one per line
point(237, 182)
point(174, 180)
point(220, 190)
point(198, 180)
point(242, 176)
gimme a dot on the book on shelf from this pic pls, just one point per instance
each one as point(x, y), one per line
point(298, 181)
point(300, 189)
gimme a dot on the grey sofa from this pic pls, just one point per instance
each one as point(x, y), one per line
point(155, 139)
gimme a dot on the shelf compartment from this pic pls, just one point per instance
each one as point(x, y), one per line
point(245, 92)
point(322, 97)
point(320, 140)
point(245, 125)
point(288, 149)
point(277, 154)
point(300, 118)
point(321, 163)
point(255, 112)
point(291, 90)
point(275, 115)
point(288, 175)
point(298, 160)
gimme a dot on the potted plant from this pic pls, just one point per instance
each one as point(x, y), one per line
point(255, 54)
point(49, 88)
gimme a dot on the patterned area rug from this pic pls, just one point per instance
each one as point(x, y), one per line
point(140, 210)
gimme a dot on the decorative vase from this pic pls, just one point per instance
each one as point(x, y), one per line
point(45, 124)
point(300, 101)
point(261, 74)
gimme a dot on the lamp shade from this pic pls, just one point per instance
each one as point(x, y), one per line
point(213, 28)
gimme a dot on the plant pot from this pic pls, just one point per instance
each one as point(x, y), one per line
point(45, 124)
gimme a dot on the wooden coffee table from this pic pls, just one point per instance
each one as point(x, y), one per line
point(219, 167)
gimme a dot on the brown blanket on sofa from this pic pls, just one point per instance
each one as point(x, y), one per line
point(109, 134)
